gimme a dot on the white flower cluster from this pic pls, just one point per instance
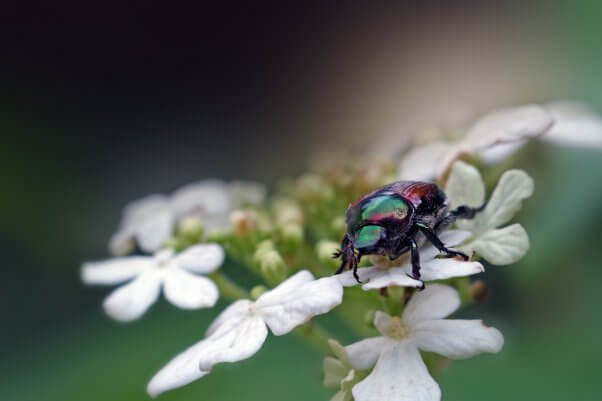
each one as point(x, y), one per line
point(387, 367)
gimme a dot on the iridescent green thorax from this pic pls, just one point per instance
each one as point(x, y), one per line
point(368, 236)
point(384, 207)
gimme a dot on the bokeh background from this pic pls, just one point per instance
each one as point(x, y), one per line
point(103, 103)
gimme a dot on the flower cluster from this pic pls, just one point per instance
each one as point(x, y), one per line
point(287, 240)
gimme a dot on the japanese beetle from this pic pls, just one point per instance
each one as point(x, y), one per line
point(390, 220)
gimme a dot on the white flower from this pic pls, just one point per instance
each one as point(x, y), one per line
point(499, 246)
point(150, 221)
point(399, 373)
point(432, 267)
point(241, 329)
point(500, 128)
point(173, 272)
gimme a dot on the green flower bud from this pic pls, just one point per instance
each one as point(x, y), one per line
point(272, 266)
point(292, 234)
point(258, 291)
point(325, 249)
point(287, 212)
point(191, 228)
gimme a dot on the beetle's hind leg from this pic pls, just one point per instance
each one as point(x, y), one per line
point(461, 212)
point(431, 235)
point(415, 260)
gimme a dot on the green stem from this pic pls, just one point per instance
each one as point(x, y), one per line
point(228, 288)
point(315, 335)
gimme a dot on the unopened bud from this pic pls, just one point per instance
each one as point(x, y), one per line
point(339, 225)
point(292, 234)
point(325, 250)
point(288, 212)
point(369, 318)
point(243, 221)
point(479, 291)
point(190, 227)
point(257, 291)
point(312, 186)
point(272, 265)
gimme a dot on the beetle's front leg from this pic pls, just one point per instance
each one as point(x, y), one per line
point(415, 259)
point(431, 235)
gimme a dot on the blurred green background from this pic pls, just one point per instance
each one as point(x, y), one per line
point(105, 103)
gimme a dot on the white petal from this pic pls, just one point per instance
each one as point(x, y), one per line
point(465, 186)
point(501, 152)
point(234, 341)
point(383, 322)
point(141, 209)
point(283, 309)
point(203, 258)
point(247, 192)
point(506, 200)
point(181, 370)
point(363, 354)
point(435, 302)
point(502, 246)
point(507, 126)
point(457, 338)
point(394, 276)
point(444, 268)
point(399, 375)
point(365, 273)
point(576, 125)
point(130, 301)
point(154, 232)
point(334, 372)
point(122, 242)
point(189, 291)
point(236, 311)
point(423, 163)
point(201, 198)
point(450, 239)
point(114, 271)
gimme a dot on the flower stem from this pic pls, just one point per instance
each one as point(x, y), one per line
point(228, 288)
point(315, 335)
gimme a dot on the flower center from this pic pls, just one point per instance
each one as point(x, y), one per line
point(397, 329)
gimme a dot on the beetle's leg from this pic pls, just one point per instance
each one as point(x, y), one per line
point(431, 235)
point(343, 253)
point(415, 258)
point(461, 212)
point(355, 266)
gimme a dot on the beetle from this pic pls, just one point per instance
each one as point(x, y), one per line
point(392, 220)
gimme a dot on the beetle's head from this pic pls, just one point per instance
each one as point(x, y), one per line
point(365, 241)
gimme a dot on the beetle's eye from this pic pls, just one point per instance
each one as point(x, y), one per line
point(368, 236)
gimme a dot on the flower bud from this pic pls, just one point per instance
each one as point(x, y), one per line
point(292, 234)
point(190, 227)
point(325, 249)
point(243, 221)
point(271, 265)
point(257, 291)
point(288, 212)
point(312, 186)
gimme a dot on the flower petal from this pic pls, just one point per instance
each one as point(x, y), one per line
point(181, 370)
point(397, 276)
point(189, 291)
point(435, 302)
point(290, 305)
point(114, 271)
point(506, 200)
point(130, 301)
point(154, 232)
point(502, 246)
point(334, 372)
point(457, 338)
point(235, 312)
point(423, 163)
point(234, 342)
point(507, 126)
point(205, 197)
point(576, 125)
point(122, 242)
point(465, 186)
point(383, 322)
point(363, 354)
point(444, 268)
point(399, 375)
point(203, 258)
point(450, 238)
